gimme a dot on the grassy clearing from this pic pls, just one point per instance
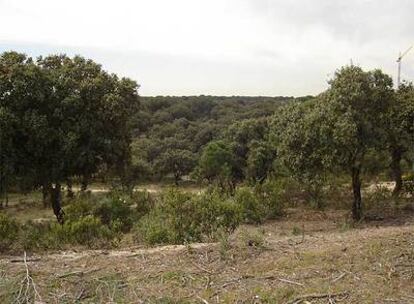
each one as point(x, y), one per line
point(303, 254)
point(265, 264)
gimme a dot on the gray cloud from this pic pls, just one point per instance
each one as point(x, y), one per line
point(226, 47)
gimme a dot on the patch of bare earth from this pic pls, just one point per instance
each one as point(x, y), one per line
point(303, 258)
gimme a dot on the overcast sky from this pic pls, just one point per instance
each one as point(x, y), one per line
point(217, 47)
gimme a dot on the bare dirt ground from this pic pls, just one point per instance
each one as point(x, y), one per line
point(306, 257)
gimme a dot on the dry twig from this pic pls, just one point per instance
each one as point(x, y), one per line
point(300, 299)
point(24, 295)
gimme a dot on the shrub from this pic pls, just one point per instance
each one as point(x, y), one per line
point(152, 229)
point(88, 231)
point(144, 202)
point(377, 199)
point(9, 231)
point(215, 212)
point(37, 236)
point(408, 183)
point(253, 210)
point(80, 207)
point(314, 191)
point(179, 210)
point(181, 217)
point(274, 195)
point(115, 211)
point(253, 238)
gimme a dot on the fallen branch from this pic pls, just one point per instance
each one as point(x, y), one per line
point(290, 282)
point(79, 272)
point(25, 261)
point(65, 275)
point(271, 277)
point(300, 299)
point(29, 283)
point(202, 300)
point(339, 277)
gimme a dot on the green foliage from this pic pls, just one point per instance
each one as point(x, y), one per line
point(409, 177)
point(275, 194)
point(214, 213)
point(152, 229)
point(180, 217)
point(115, 211)
point(336, 131)
point(253, 238)
point(259, 163)
point(175, 161)
point(88, 231)
point(225, 244)
point(144, 202)
point(80, 207)
point(41, 236)
point(218, 165)
point(9, 231)
point(254, 211)
point(71, 115)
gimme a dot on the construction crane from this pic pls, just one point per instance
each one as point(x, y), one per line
point(400, 57)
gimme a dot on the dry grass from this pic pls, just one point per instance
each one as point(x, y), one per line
point(319, 261)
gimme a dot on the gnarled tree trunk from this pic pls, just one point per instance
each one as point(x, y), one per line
point(356, 188)
point(56, 201)
point(396, 170)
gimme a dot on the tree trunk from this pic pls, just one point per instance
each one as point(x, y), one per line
point(176, 178)
point(396, 171)
point(56, 201)
point(356, 188)
point(3, 191)
point(45, 193)
point(84, 183)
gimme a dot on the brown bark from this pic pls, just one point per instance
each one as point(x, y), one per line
point(396, 171)
point(356, 188)
point(56, 201)
point(84, 183)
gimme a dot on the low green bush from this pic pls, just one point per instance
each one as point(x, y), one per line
point(182, 217)
point(275, 195)
point(9, 231)
point(39, 236)
point(377, 199)
point(88, 231)
point(153, 229)
point(253, 210)
point(143, 201)
point(115, 211)
point(80, 207)
point(216, 213)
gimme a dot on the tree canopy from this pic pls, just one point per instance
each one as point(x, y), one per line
point(63, 117)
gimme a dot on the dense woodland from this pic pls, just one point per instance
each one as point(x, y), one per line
point(67, 121)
